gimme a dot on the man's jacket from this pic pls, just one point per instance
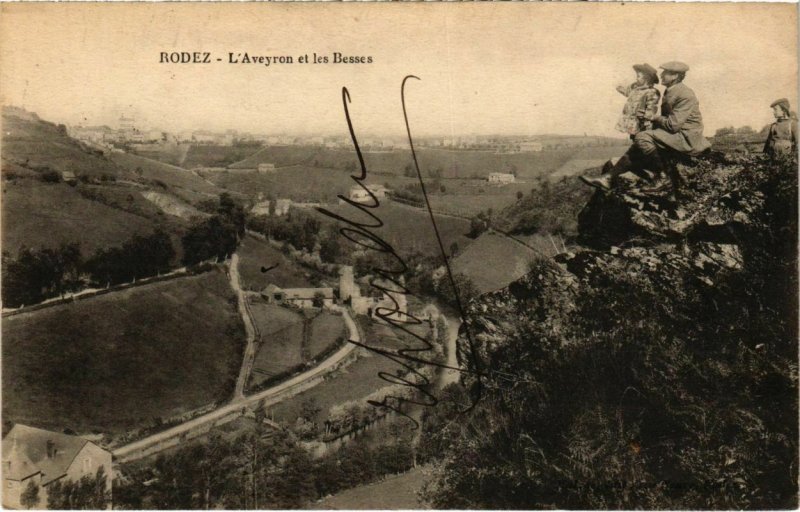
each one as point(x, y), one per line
point(680, 115)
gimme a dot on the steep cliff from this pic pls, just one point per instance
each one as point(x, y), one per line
point(655, 367)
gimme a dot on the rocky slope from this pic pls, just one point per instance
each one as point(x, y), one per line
point(655, 367)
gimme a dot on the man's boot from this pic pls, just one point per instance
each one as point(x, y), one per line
point(678, 183)
point(610, 172)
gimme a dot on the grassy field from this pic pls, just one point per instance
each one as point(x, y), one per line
point(356, 381)
point(397, 492)
point(381, 335)
point(453, 163)
point(492, 261)
point(211, 155)
point(185, 184)
point(42, 145)
point(298, 183)
point(254, 254)
point(37, 214)
point(324, 330)
point(117, 361)
point(409, 229)
point(168, 153)
point(282, 334)
point(291, 337)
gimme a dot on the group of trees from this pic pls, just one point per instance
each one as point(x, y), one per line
point(139, 257)
point(297, 228)
point(35, 275)
point(38, 274)
point(218, 235)
point(88, 493)
point(260, 469)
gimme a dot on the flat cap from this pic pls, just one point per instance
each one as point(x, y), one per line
point(675, 66)
point(783, 103)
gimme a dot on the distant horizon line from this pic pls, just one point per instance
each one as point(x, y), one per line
point(338, 135)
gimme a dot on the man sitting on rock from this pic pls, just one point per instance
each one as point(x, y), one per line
point(679, 129)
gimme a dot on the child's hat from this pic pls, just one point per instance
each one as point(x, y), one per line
point(648, 70)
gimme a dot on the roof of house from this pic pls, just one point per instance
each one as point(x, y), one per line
point(271, 288)
point(32, 443)
point(308, 293)
point(16, 464)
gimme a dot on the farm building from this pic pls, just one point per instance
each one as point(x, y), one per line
point(33, 456)
point(69, 177)
point(299, 297)
point(361, 195)
point(390, 301)
point(281, 207)
point(266, 167)
point(501, 178)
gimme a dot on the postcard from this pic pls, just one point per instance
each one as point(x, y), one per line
point(399, 256)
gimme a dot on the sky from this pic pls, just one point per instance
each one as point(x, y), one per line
point(514, 68)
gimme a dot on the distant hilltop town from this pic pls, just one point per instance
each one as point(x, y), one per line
point(128, 133)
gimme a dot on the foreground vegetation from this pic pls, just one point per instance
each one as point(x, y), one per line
point(622, 389)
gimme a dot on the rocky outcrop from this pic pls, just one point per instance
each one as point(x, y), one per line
point(719, 208)
point(653, 367)
point(676, 251)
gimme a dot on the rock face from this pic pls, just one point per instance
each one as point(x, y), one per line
point(719, 208)
point(675, 250)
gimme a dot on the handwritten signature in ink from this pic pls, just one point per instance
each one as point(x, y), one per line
point(362, 234)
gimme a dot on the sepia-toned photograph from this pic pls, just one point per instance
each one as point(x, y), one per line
point(382, 256)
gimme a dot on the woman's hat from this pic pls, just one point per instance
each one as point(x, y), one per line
point(648, 70)
point(783, 103)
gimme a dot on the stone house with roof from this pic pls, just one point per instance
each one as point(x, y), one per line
point(44, 457)
point(298, 297)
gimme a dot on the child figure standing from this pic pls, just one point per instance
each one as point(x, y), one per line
point(642, 104)
point(782, 139)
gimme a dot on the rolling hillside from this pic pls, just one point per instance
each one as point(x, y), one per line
point(493, 260)
point(105, 205)
point(95, 365)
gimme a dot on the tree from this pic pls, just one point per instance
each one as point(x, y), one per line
point(727, 130)
point(330, 249)
point(453, 249)
point(520, 195)
point(409, 171)
point(30, 496)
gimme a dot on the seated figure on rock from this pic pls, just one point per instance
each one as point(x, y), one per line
point(677, 132)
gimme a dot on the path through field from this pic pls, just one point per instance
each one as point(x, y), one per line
point(173, 436)
point(249, 326)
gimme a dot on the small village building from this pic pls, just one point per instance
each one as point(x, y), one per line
point(299, 297)
point(530, 146)
point(41, 457)
point(392, 304)
point(262, 207)
point(501, 178)
point(69, 177)
point(266, 167)
point(359, 195)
